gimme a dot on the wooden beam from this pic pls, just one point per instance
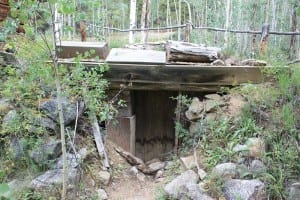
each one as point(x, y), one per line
point(192, 77)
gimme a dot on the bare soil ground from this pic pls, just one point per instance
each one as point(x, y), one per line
point(125, 186)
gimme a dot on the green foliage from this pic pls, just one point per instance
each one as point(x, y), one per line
point(5, 192)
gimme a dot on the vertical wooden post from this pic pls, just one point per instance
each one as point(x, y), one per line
point(178, 113)
point(187, 32)
point(264, 37)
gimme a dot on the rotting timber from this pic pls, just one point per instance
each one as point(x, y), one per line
point(146, 125)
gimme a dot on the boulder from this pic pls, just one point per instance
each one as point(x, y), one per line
point(133, 171)
point(73, 160)
point(211, 105)
point(17, 147)
point(11, 117)
point(47, 152)
point(153, 167)
point(213, 96)
point(194, 111)
point(257, 166)
point(54, 178)
point(186, 178)
point(188, 162)
point(294, 191)
point(159, 174)
point(192, 191)
point(47, 123)
point(255, 147)
point(102, 194)
point(236, 189)
point(5, 107)
point(103, 177)
point(225, 170)
point(50, 107)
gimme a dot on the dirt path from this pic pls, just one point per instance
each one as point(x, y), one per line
point(125, 186)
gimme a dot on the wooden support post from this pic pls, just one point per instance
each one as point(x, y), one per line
point(178, 113)
point(187, 32)
point(264, 37)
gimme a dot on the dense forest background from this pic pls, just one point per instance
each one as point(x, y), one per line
point(245, 15)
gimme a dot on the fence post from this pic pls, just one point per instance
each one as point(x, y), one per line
point(264, 37)
point(187, 32)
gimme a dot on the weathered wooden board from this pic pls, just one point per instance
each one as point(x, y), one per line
point(70, 49)
point(155, 134)
point(177, 77)
point(188, 52)
point(123, 132)
point(119, 55)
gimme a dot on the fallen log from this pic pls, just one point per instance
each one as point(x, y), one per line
point(189, 52)
point(139, 163)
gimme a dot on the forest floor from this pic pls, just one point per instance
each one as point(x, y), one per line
point(125, 186)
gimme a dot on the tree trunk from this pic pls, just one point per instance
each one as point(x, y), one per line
point(56, 37)
point(132, 20)
point(227, 22)
point(145, 19)
point(188, 52)
point(292, 50)
point(253, 47)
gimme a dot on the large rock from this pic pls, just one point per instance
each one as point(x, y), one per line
point(17, 147)
point(294, 191)
point(155, 166)
point(257, 166)
point(188, 162)
point(73, 160)
point(103, 177)
point(5, 107)
point(47, 123)
point(194, 111)
point(186, 178)
point(54, 178)
point(10, 118)
point(225, 170)
point(192, 191)
point(69, 109)
point(236, 189)
point(47, 152)
point(102, 195)
point(213, 96)
point(211, 105)
point(255, 147)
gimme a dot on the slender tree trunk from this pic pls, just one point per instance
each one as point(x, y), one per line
point(59, 97)
point(145, 19)
point(228, 2)
point(132, 20)
point(57, 24)
point(274, 21)
point(253, 27)
point(179, 20)
point(292, 50)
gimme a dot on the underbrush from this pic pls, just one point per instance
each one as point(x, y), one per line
point(271, 113)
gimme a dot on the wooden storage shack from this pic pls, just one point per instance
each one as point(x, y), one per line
point(146, 126)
